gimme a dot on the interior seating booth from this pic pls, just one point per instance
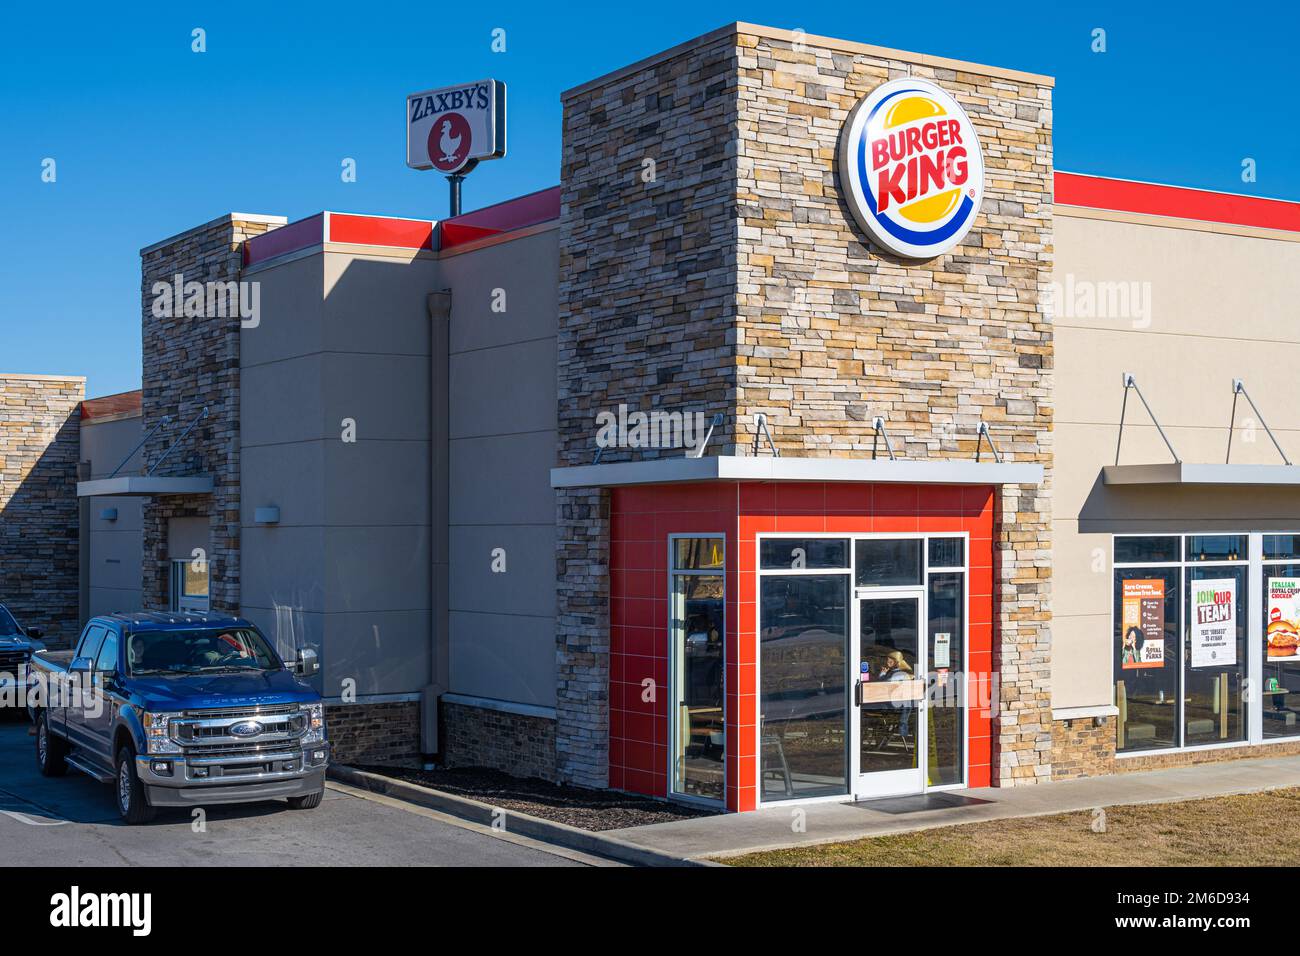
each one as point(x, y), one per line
point(800, 629)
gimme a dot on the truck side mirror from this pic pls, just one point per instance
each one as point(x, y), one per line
point(81, 665)
point(306, 663)
point(34, 632)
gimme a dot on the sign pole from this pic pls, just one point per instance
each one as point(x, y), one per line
point(454, 181)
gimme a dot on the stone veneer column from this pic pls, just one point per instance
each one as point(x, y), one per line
point(39, 518)
point(189, 363)
point(833, 330)
point(647, 296)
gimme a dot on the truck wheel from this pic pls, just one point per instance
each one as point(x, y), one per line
point(50, 750)
point(309, 802)
point(132, 803)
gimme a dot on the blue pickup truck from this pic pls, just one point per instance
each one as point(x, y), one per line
point(17, 644)
point(180, 710)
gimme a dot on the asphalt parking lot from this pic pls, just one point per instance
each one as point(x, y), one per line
point(71, 821)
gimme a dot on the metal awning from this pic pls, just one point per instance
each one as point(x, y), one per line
point(765, 468)
point(142, 485)
point(1183, 473)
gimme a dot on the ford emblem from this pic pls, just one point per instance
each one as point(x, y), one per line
point(246, 728)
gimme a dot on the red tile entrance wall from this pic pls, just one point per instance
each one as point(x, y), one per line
point(642, 518)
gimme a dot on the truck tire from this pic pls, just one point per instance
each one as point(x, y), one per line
point(50, 750)
point(310, 802)
point(132, 803)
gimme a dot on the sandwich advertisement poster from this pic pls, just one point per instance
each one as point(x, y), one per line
point(1214, 622)
point(1283, 637)
point(1142, 631)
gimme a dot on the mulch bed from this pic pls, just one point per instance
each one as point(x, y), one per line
point(576, 806)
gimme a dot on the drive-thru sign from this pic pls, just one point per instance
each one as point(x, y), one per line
point(454, 128)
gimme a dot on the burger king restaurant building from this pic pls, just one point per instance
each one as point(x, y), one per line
point(987, 478)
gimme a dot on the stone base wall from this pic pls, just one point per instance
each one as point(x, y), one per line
point(39, 515)
point(1190, 758)
point(386, 734)
point(519, 744)
point(1081, 748)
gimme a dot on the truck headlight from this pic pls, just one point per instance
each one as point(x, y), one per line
point(157, 734)
point(315, 724)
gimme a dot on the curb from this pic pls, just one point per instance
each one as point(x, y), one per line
point(523, 824)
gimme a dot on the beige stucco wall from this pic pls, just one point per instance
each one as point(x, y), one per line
point(1221, 306)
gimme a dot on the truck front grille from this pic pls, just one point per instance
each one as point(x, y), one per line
point(11, 662)
point(280, 725)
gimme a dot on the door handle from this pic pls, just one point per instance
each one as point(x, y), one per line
point(857, 694)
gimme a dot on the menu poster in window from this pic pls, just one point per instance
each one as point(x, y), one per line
point(1142, 634)
point(943, 649)
point(1283, 637)
point(1214, 623)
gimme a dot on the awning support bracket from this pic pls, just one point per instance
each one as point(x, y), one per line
point(1131, 382)
point(878, 425)
point(1239, 388)
point(714, 422)
point(760, 426)
point(984, 433)
point(161, 422)
point(185, 434)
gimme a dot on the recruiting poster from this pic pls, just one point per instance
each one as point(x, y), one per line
point(1214, 623)
point(1283, 638)
point(1142, 633)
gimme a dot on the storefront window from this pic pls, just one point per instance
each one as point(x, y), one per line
point(1216, 547)
point(1214, 654)
point(803, 705)
point(793, 553)
point(698, 632)
point(1279, 696)
point(947, 553)
point(888, 562)
point(1181, 641)
point(1146, 657)
point(1162, 549)
point(946, 607)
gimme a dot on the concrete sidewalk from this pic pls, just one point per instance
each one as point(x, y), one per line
point(774, 828)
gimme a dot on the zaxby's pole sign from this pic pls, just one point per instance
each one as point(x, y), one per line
point(911, 168)
point(455, 128)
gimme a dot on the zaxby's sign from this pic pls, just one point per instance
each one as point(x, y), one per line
point(453, 129)
point(911, 168)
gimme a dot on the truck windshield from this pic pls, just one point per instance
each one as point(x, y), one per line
point(206, 651)
point(8, 626)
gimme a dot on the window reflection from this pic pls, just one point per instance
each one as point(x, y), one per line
point(698, 629)
point(803, 702)
point(1147, 657)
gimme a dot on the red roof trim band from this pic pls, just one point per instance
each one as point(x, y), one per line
point(1153, 199)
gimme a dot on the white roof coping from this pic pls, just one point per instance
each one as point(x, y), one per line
point(140, 485)
point(1183, 473)
point(764, 468)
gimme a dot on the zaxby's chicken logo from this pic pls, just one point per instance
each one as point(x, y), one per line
point(449, 142)
point(912, 170)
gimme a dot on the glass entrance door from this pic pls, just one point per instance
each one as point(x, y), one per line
point(889, 729)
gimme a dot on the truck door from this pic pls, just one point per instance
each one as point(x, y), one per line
point(99, 715)
point(76, 693)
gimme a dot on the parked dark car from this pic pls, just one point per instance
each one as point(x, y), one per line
point(17, 644)
point(181, 710)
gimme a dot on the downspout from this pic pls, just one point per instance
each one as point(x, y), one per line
point(439, 305)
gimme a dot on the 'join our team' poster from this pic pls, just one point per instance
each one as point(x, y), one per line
point(1214, 623)
point(1142, 631)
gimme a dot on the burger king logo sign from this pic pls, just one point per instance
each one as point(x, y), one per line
point(911, 168)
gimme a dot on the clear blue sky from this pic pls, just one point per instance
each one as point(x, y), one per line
point(151, 138)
